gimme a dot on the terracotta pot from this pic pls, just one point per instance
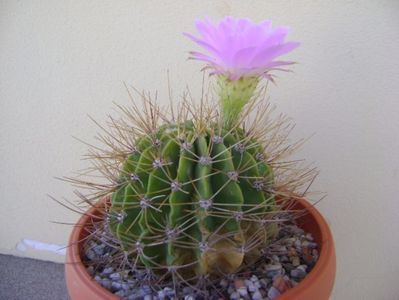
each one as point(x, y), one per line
point(317, 285)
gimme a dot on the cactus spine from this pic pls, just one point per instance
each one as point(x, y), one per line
point(194, 196)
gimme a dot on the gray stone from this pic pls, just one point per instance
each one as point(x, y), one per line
point(309, 237)
point(243, 291)
point(116, 286)
point(99, 249)
point(187, 290)
point(298, 273)
point(108, 270)
point(106, 283)
point(264, 282)
point(121, 293)
point(161, 295)
point(295, 261)
point(224, 283)
point(148, 297)
point(126, 286)
point(275, 258)
point(273, 293)
point(254, 278)
point(115, 276)
point(273, 270)
point(145, 290)
point(91, 254)
point(257, 296)
point(252, 288)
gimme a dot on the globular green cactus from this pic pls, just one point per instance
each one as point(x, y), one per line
point(194, 196)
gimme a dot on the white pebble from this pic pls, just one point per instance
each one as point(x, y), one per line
point(116, 285)
point(243, 291)
point(257, 296)
point(161, 295)
point(223, 283)
point(273, 293)
point(252, 288)
point(120, 293)
point(115, 276)
point(254, 278)
point(108, 270)
point(106, 283)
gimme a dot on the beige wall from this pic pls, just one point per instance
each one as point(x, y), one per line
point(61, 60)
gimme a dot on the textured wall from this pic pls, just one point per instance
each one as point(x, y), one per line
point(61, 60)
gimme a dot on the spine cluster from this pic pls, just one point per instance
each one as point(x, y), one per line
point(195, 200)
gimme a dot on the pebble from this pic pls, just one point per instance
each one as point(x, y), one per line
point(161, 295)
point(284, 264)
point(282, 250)
point(146, 290)
point(273, 293)
point(108, 270)
point(106, 283)
point(187, 290)
point(230, 290)
point(254, 278)
point(257, 296)
point(91, 255)
point(281, 283)
point(99, 249)
point(292, 252)
point(224, 282)
point(116, 286)
point(238, 283)
point(126, 286)
point(242, 291)
point(298, 273)
point(273, 270)
point(115, 276)
point(169, 292)
point(284, 258)
point(295, 261)
point(275, 258)
point(120, 293)
point(264, 282)
point(252, 288)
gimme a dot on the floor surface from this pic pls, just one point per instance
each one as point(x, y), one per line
point(25, 278)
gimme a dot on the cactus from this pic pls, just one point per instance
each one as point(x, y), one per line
point(193, 197)
point(198, 191)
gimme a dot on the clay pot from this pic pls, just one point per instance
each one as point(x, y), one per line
point(317, 285)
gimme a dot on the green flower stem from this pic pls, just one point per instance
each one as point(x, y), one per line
point(234, 95)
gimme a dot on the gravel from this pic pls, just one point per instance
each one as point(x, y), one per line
point(283, 265)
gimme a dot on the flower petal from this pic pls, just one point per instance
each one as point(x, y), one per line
point(238, 47)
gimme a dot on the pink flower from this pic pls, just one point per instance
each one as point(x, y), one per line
point(241, 48)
